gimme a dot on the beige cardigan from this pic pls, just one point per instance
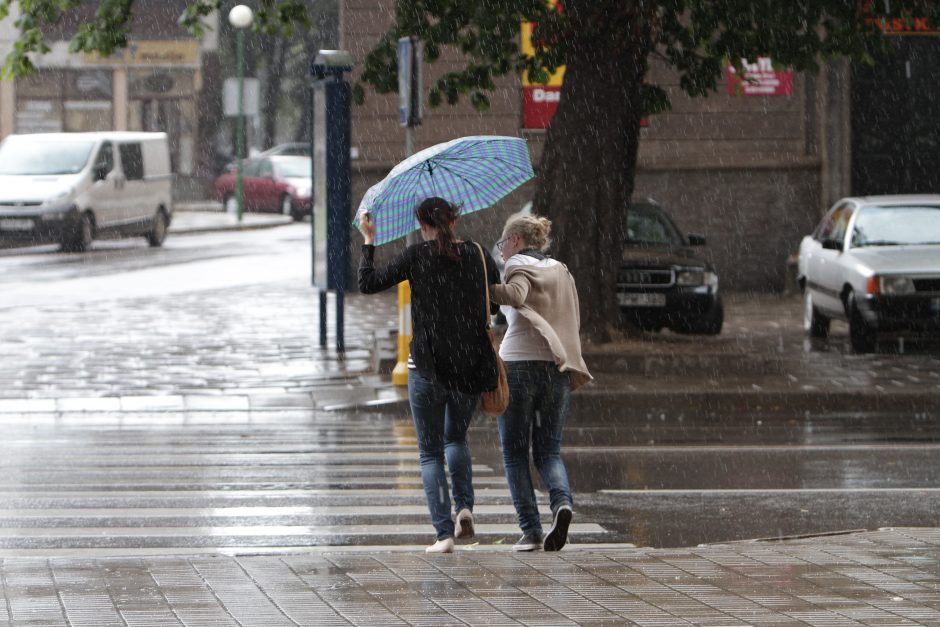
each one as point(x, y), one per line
point(548, 298)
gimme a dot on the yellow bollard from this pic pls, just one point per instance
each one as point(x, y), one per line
point(400, 373)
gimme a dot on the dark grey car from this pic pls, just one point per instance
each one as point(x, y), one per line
point(662, 282)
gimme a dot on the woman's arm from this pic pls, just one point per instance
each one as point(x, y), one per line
point(492, 274)
point(372, 280)
point(513, 292)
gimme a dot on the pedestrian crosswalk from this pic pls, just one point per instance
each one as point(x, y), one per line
point(257, 481)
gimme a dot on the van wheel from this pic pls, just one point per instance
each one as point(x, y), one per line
point(80, 236)
point(287, 208)
point(157, 232)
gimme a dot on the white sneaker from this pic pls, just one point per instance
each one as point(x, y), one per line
point(441, 546)
point(464, 524)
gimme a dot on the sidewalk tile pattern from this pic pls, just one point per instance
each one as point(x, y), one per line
point(886, 577)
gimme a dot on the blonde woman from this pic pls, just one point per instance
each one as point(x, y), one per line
point(542, 351)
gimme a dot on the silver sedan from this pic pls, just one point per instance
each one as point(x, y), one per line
point(875, 263)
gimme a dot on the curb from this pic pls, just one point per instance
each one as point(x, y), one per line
point(221, 223)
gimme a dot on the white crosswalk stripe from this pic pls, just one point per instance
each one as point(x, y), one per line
point(126, 484)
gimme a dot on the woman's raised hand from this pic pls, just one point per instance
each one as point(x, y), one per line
point(367, 227)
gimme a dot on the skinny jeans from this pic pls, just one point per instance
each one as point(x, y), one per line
point(441, 418)
point(539, 396)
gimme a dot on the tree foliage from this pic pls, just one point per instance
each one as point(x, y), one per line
point(695, 37)
point(108, 31)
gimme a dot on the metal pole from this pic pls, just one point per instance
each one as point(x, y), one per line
point(240, 124)
point(322, 318)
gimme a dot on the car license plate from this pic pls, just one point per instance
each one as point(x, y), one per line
point(16, 225)
point(641, 300)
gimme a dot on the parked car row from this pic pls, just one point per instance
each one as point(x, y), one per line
point(872, 262)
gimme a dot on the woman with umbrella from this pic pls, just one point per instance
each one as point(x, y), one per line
point(542, 351)
point(451, 359)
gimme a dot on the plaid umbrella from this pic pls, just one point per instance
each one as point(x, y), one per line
point(471, 172)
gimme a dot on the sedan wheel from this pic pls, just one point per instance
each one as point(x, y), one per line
point(287, 206)
point(814, 323)
point(861, 336)
point(710, 323)
point(231, 204)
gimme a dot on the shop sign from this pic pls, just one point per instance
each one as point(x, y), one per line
point(902, 25)
point(759, 79)
point(151, 53)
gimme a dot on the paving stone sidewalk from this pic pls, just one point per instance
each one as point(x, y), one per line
point(885, 577)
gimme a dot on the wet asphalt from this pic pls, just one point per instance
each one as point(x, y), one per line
point(163, 401)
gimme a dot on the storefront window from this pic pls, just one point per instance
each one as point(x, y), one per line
point(162, 99)
point(64, 100)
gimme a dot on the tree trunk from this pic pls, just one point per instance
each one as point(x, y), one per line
point(593, 140)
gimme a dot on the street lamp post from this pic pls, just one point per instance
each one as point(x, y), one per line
point(240, 17)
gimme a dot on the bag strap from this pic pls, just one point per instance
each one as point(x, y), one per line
point(486, 286)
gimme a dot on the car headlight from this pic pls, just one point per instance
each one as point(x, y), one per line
point(896, 285)
point(690, 278)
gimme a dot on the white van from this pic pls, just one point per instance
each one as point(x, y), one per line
point(71, 188)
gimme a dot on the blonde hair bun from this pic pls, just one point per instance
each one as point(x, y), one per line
point(533, 230)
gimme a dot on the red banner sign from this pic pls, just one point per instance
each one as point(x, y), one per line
point(760, 79)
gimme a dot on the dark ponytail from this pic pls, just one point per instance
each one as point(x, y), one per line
point(438, 213)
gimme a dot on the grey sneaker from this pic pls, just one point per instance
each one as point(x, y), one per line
point(530, 541)
point(558, 535)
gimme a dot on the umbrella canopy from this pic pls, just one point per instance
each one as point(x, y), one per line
point(471, 172)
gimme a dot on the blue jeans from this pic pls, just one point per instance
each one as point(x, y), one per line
point(441, 419)
point(539, 396)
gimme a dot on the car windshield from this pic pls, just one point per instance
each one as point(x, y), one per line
point(29, 157)
point(295, 168)
point(896, 226)
point(648, 225)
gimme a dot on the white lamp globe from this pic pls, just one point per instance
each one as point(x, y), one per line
point(240, 16)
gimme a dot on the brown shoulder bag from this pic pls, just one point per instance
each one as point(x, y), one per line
point(493, 402)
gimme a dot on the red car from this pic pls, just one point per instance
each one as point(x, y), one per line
point(277, 183)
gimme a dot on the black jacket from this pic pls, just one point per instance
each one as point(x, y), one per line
point(449, 343)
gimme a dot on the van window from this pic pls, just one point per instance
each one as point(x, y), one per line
point(104, 162)
point(132, 161)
